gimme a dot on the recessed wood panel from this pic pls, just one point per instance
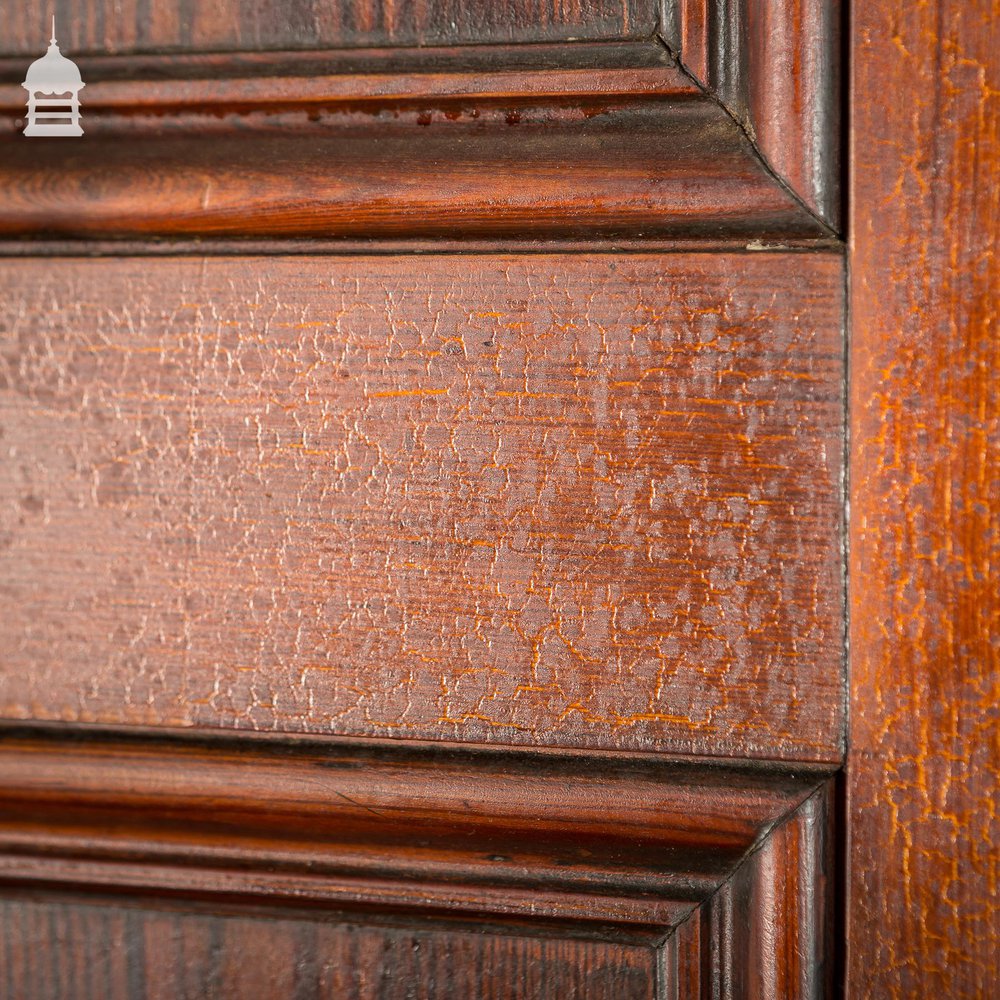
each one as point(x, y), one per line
point(52, 948)
point(585, 501)
point(185, 26)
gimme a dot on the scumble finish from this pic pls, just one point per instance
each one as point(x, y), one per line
point(924, 918)
point(259, 25)
point(767, 933)
point(585, 501)
point(53, 948)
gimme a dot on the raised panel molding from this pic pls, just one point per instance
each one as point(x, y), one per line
point(720, 868)
point(720, 128)
point(775, 66)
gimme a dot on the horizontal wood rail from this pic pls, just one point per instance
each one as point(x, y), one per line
point(624, 847)
point(579, 145)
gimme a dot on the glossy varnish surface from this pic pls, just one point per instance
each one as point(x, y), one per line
point(53, 948)
point(713, 872)
point(176, 25)
point(590, 167)
point(588, 501)
point(775, 66)
point(925, 744)
point(603, 843)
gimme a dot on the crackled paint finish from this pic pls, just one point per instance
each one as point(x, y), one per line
point(925, 471)
point(539, 500)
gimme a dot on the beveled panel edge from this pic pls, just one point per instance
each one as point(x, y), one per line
point(606, 844)
point(442, 147)
point(776, 66)
point(769, 930)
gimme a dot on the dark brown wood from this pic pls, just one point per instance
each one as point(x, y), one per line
point(644, 171)
point(517, 581)
point(235, 81)
point(227, 25)
point(322, 837)
point(768, 932)
point(579, 501)
point(481, 142)
point(775, 66)
point(427, 146)
point(794, 96)
point(606, 841)
point(53, 948)
point(924, 765)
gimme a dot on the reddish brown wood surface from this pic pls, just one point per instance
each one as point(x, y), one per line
point(693, 37)
point(54, 948)
point(644, 171)
point(600, 843)
point(768, 932)
point(603, 141)
point(176, 25)
point(925, 746)
point(431, 146)
point(716, 873)
point(775, 66)
point(794, 97)
point(584, 501)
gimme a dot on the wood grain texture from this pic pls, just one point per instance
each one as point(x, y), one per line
point(767, 933)
point(563, 155)
point(53, 948)
point(581, 501)
point(697, 872)
point(599, 844)
point(608, 141)
point(925, 469)
point(794, 96)
point(596, 140)
point(95, 26)
point(775, 66)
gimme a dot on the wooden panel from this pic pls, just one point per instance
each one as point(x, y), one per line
point(767, 933)
point(434, 153)
point(696, 871)
point(775, 65)
point(584, 501)
point(188, 26)
point(604, 142)
point(599, 843)
point(794, 95)
point(924, 917)
point(50, 948)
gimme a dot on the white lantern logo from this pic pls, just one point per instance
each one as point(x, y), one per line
point(59, 78)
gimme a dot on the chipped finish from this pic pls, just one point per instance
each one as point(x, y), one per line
point(108, 951)
point(227, 25)
point(924, 918)
point(580, 501)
